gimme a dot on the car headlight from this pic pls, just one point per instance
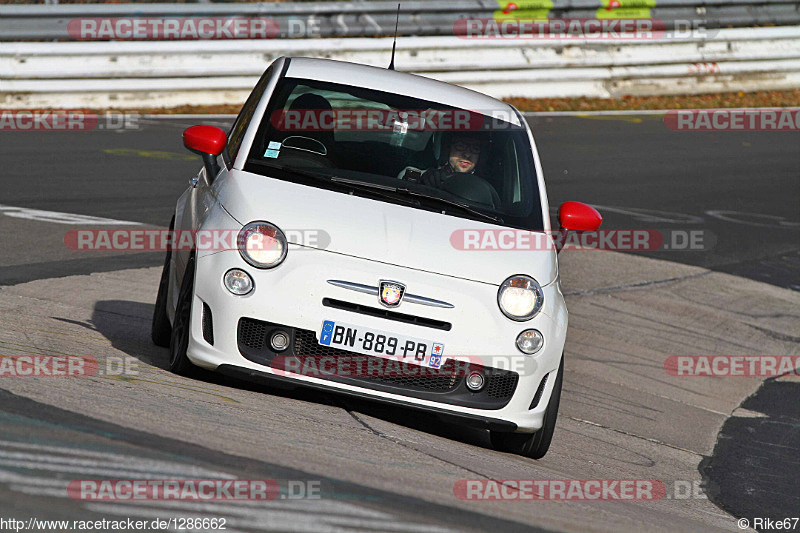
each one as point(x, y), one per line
point(262, 244)
point(520, 298)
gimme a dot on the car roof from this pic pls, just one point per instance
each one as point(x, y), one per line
point(401, 83)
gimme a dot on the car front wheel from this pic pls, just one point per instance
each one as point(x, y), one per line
point(533, 445)
point(181, 328)
point(161, 330)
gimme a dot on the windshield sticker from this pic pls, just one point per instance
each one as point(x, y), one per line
point(273, 150)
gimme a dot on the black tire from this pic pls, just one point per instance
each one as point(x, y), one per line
point(533, 445)
point(161, 331)
point(181, 328)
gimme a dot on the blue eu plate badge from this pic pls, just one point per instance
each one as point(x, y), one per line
point(436, 355)
point(327, 332)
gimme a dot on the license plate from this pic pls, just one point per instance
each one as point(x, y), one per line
point(370, 341)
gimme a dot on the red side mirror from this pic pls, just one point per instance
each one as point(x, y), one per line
point(205, 140)
point(578, 216)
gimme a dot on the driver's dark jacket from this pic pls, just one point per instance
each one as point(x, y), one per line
point(436, 177)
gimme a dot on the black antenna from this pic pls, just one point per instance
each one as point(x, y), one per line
point(394, 44)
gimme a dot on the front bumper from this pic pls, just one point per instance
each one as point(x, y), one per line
point(284, 382)
point(292, 295)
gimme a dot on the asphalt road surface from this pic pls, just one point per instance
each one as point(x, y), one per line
point(385, 469)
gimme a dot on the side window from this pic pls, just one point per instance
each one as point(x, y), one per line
point(513, 170)
point(236, 134)
point(519, 188)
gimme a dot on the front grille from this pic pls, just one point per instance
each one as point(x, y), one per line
point(252, 333)
point(385, 313)
point(445, 385)
point(305, 344)
point(502, 385)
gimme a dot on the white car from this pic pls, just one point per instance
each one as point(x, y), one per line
point(359, 195)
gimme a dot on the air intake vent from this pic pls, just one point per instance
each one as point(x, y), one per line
point(538, 396)
point(445, 385)
point(501, 385)
point(252, 333)
point(208, 324)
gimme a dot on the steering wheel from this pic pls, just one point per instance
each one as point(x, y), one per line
point(411, 174)
point(304, 152)
point(306, 144)
point(473, 188)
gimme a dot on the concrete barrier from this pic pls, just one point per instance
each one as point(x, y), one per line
point(170, 73)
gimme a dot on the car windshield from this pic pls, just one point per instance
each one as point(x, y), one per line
point(399, 149)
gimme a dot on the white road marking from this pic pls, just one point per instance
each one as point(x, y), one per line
point(252, 508)
point(324, 515)
point(120, 459)
point(22, 479)
point(65, 450)
point(62, 218)
point(275, 519)
point(651, 215)
point(34, 490)
point(107, 470)
point(738, 217)
point(122, 464)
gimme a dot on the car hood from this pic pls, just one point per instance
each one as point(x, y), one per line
point(378, 231)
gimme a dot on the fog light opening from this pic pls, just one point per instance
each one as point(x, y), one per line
point(238, 282)
point(475, 381)
point(530, 341)
point(279, 341)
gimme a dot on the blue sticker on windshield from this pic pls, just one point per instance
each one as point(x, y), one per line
point(272, 153)
point(274, 145)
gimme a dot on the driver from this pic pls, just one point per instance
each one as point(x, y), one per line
point(464, 155)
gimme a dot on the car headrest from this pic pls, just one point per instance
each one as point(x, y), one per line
point(311, 102)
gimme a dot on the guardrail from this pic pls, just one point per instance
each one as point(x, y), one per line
point(417, 18)
point(172, 73)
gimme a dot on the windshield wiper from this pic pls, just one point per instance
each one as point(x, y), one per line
point(409, 192)
point(360, 183)
point(377, 188)
point(349, 184)
point(451, 203)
